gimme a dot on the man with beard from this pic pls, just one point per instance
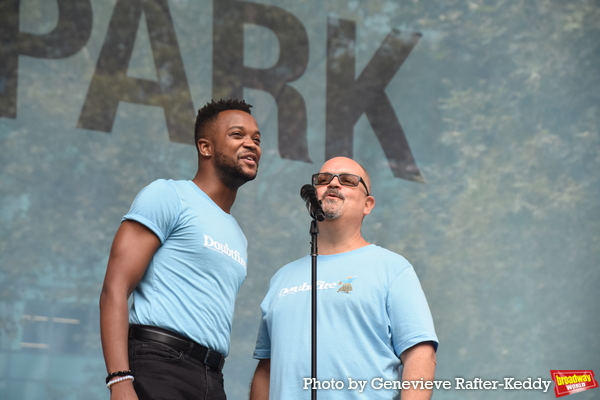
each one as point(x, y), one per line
point(184, 257)
point(366, 330)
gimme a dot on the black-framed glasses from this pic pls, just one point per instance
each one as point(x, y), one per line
point(323, 178)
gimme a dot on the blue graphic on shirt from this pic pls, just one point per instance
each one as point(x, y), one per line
point(346, 285)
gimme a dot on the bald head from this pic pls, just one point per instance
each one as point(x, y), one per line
point(347, 165)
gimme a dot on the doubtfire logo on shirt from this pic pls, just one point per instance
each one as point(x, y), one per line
point(212, 244)
point(345, 286)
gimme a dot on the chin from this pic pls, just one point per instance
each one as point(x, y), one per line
point(251, 174)
point(250, 177)
point(246, 176)
point(332, 214)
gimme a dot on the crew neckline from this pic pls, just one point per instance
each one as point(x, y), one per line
point(207, 197)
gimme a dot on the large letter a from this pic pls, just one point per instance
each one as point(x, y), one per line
point(110, 83)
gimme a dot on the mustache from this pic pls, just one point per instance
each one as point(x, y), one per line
point(334, 192)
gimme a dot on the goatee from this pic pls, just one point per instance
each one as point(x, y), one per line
point(332, 208)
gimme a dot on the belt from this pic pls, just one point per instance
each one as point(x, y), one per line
point(205, 355)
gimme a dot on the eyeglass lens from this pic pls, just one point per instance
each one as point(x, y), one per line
point(344, 179)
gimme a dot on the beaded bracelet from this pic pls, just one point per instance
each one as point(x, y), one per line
point(118, 373)
point(121, 379)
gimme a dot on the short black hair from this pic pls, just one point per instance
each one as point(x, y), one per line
point(208, 114)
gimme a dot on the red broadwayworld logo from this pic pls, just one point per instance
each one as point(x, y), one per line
point(572, 381)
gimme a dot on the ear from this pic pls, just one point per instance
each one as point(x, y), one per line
point(369, 204)
point(204, 147)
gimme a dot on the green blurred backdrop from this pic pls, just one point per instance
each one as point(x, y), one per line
point(499, 101)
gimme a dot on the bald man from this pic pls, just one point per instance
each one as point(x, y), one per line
point(372, 314)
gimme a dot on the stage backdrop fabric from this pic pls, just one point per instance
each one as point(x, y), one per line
point(478, 122)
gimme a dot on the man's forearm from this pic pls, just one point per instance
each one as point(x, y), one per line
point(114, 326)
point(259, 389)
point(419, 363)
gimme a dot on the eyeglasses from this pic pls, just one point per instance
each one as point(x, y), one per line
point(323, 178)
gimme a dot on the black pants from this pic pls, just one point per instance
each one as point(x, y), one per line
point(164, 373)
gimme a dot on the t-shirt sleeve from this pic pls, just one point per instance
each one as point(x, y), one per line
point(263, 341)
point(410, 317)
point(157, 207)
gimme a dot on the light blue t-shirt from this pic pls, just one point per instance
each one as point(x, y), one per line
point(370, 309)
point(193, 279)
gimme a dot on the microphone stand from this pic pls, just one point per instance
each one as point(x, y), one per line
point(309, 195)
point(314, 232)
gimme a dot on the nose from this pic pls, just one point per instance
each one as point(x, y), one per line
point(251, 145)
point(335, 178)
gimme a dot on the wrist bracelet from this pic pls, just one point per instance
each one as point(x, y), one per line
point(121, 379)
point(118, 373)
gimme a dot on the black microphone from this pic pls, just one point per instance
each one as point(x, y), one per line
point(309, 195)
